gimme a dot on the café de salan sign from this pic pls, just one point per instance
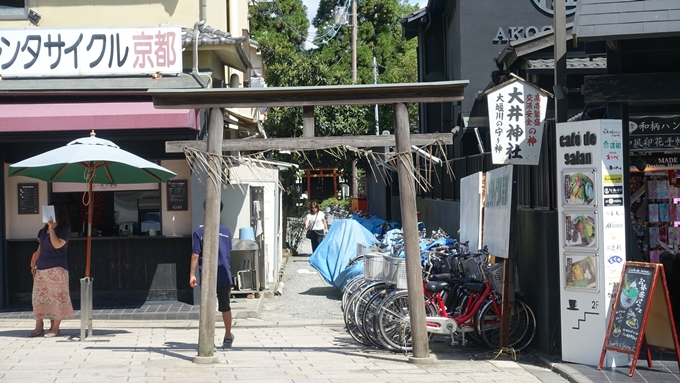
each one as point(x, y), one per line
point(34, 52)
point(516, 115)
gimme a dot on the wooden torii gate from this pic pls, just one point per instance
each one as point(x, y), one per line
point(308, 97)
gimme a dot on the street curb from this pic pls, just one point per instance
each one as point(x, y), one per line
point(569, 373)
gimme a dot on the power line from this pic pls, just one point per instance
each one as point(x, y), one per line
point(330, 32)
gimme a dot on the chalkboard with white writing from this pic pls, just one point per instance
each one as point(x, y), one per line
point(28, 198)
point(177, 195)
point(632, 301)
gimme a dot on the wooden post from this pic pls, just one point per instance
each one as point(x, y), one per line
point(409, 219)
point(308, 121)
point(560, 51)
point(206, 324)
point(508, 303)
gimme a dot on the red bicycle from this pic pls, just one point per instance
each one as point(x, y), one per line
point(477, 314)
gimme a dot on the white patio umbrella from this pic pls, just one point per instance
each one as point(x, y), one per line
point(90, 160)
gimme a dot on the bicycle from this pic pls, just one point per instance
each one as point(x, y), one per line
point(477, 310)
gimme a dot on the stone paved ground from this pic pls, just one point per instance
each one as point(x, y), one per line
point(299, 337)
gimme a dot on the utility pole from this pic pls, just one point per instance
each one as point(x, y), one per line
point(355, 180)
point(560, 49)
point(354, 41)
point(375, 81)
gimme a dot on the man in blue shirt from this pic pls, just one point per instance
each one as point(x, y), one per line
point(223, 273)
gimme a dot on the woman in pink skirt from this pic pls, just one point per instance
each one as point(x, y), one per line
point(51, 299)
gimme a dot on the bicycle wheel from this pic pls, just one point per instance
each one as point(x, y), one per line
point(351, 287)
point(350, 324)
point(394, 321)
point(531, 331)
point(362, 303)
point(489, 325)
point(370, 323)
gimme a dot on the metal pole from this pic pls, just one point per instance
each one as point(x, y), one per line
point(375, 81)
point(206, 324)
point(560, 49)
point(409, 218)
point(354, 41)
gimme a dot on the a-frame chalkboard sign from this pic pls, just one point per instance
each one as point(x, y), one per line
point(641, 315)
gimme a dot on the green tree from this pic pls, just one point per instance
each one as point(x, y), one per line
point(281, 29)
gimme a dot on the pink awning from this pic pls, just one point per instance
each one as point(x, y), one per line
point(87, 116)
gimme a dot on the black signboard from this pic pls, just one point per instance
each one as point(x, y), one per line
point(613, 201)
point(177, 195)
point(654, 132)
point(615, 190)
point(28, 198)
point(642, 290)
point(631, 303)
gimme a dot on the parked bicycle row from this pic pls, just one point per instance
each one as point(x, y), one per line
point(461, 296)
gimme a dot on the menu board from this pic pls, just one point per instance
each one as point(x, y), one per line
point(641, 315)
point(632, 301)
point(28, 198)
point(177, 195)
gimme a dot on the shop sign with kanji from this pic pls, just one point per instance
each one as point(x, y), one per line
point(654, 132)
point(516, 116)
point(35, 52)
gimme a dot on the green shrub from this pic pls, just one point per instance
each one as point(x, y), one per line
point(341, 203)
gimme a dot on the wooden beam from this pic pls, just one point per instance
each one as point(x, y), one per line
point(637, 88)
point(307, 143)
point(308, 121)
point(427, 92)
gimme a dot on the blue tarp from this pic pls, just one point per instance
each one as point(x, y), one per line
point(376, 225)
point(340, 245)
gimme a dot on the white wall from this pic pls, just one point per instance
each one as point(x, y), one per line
point(176, 222)
point(19, 226)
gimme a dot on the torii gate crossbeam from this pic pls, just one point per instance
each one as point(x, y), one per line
point(396, 94)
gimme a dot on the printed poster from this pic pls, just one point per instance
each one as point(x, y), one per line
point(579, 187)
point(580, 229)
point(581, 271)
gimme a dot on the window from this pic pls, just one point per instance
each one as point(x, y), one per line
point(12, 9)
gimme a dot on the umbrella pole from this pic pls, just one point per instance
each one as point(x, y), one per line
point(86, 283)
point(89, 229)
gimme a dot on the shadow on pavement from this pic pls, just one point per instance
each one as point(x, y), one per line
point(331, 292)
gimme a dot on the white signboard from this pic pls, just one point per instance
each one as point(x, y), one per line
point(516, 116)
point(591, 234)
point(471, 210)
point(497, 211)
point(32, 52)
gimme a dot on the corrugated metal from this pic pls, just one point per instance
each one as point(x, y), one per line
point(621, 19)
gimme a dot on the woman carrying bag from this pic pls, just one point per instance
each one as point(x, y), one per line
point(315, 225)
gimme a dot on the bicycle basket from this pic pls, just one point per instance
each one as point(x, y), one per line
point(496, 275)
point(472, 269)
point(391, 271)
point(374, 265)
point(363, 248)
point(401, 276)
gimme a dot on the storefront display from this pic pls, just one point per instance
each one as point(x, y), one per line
point(655, 209)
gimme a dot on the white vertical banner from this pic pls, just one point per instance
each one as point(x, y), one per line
point(471, 210)
point(591, 234)
point(516, 116)
point(497, 211)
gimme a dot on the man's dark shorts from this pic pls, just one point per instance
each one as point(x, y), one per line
point(223, 295)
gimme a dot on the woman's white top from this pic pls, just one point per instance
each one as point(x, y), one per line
point(315, 221)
